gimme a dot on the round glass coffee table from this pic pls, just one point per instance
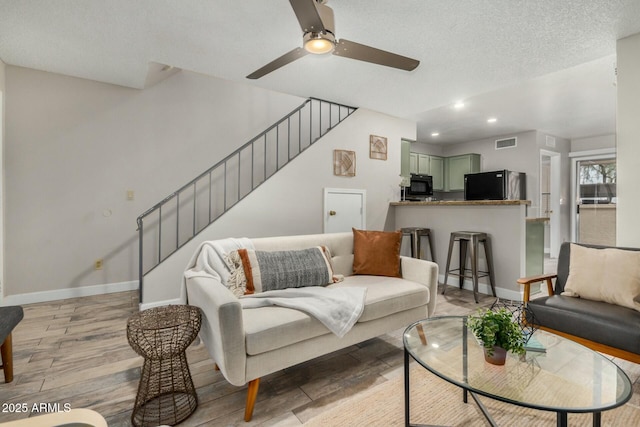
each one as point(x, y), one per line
point(581, 380)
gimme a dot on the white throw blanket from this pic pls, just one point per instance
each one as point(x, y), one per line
point(337, 308)
point(209, 260)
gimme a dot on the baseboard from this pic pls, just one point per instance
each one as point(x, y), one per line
point(483, 288)
point(58, 294)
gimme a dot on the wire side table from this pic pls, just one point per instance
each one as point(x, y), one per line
point(161, 335)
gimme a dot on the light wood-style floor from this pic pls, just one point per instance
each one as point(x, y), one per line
point(76, 352)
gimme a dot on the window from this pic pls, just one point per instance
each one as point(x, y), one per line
point(597, 181)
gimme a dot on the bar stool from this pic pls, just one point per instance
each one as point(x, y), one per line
point(416, 233)
point(463, 237)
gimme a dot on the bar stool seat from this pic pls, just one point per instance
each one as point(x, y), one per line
point(475, 237)
point(416, 233)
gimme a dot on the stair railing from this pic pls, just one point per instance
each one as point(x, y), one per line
point(179, 217)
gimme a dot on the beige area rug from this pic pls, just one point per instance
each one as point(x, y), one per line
point(437, 402)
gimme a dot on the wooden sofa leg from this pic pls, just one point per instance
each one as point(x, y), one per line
point(252, 393)
point(7, 359)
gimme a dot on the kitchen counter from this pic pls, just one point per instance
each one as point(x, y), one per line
point(517, 240)
point(465, 203)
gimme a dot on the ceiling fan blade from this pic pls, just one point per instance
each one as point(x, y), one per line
point(308, 15)
point(279, 62)
point(353, 50)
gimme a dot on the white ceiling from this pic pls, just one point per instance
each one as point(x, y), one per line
point(544, 64)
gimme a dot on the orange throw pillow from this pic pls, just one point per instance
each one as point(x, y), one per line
point(376, 253)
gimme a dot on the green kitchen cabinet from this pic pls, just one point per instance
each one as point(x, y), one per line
point(423, 164)
point(413, 163)
point(456, 167)
point(427, 164)
point(405, 158)
point(436, 167)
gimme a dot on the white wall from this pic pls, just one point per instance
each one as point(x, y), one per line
point(2, 198)
point(291, 202)
point(628, 141)
point(593, 143)
point(425, 148)
point(74, 147)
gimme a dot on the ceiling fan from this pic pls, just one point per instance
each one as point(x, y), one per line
point(316, 21)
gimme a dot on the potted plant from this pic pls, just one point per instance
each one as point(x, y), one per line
point(498, 333)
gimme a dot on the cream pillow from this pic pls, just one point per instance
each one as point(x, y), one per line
point(609, 275)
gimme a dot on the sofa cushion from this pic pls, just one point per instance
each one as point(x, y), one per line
point(260, 271)
point(269, 328)
point(597, 321)
point(387, 295)
point(610, 275)
point(376, 253)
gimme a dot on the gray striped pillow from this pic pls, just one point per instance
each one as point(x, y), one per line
point(260, 271)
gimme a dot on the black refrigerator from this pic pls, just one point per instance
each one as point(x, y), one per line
point(496, 185)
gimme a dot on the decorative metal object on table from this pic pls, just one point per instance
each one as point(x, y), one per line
point(161, 335)
point(521, 315)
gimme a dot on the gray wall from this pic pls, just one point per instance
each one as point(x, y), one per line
point(628, 141)
point(74, 147)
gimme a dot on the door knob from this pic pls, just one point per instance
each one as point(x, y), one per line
point(332, 213)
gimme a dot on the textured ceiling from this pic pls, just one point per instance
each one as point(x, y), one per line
point(518, 60)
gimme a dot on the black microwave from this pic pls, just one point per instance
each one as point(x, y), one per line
point(420, 187)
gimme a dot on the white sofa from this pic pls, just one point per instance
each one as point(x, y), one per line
point(248, 344)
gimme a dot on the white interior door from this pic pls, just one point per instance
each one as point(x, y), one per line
point(344, 209)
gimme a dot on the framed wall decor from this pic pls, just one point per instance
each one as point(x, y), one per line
point(377, 147)
point(344, 163)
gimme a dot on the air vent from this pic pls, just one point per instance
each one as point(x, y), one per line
point(506, 143)
point(551, 141)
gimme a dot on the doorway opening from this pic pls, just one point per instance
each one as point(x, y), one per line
point(549, 201)
point(594, 196)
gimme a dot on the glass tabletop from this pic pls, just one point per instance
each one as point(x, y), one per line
point(566, 377)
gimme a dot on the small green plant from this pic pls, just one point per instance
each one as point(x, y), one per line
point(497, 328)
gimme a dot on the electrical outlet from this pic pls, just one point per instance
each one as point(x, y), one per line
point(99, 263)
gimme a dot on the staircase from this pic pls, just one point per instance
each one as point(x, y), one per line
point(179, 217)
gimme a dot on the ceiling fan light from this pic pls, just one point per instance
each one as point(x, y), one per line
point(318, 43)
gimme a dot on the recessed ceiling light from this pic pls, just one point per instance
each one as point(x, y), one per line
point(458, 105)
point(435, 134)
point(492, 120)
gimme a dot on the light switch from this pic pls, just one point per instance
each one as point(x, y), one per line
point(130, 194)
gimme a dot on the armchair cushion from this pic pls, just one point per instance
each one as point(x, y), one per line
point(608, 324)
point(9, 317)
point(609, 275)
